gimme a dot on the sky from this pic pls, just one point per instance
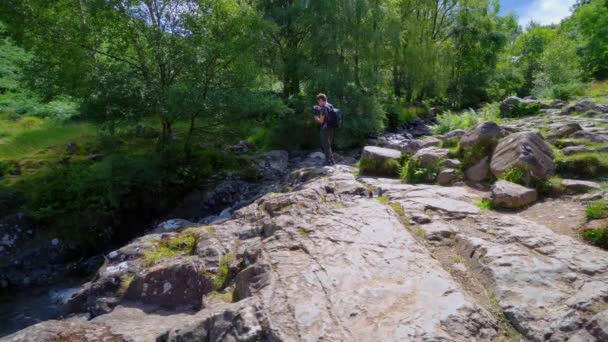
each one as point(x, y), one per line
point(541, 11)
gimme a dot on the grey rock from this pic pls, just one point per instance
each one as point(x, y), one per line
point(451, 164)
point(243, 146)
point(173, 225)
point(480, 171)
point(430, 142)
point(576, 149)
point(526, 150)
point(564, 130)
point(584, 106)
point(484, 134)
point(379, 153)
point(510, 195)
point(577, 186)
point(593, 137)
point(598, 326)
point(447, 177)
point(429, 157)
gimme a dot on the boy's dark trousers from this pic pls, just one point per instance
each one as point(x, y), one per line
point(327, 139)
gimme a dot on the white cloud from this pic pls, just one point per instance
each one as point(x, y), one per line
point(546, 11)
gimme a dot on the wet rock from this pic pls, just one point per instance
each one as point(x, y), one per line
point(480, 171)
point(173, 225)
point(577, 186)
point(525, 150)
point(510, 195)
point(564, 130)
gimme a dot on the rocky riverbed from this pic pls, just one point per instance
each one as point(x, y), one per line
point(337, 255)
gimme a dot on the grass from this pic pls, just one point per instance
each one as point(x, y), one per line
point(450, 121)
point(486, 204)
point(419, 232)
point(398, 208)
point(28, 137)
point(598, 91)
point(227, 296)
point(596, 210)
point(457, 260)
point(552, 186)
point(588, 164)
point(383, 200)
point(302, 232)
point(125, 283)
point(182, 244)
point(597, 237)
point(515, 175)
point(412, 173)
point(223, 272)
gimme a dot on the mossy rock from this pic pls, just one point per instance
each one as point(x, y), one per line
point(380, 162)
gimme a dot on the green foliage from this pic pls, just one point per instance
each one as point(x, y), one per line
point(598, 237)
point(383, 200)
point(168, 248)
point(590, 22)
point(398, 208)
point(552, 186)
point(560, 74)
point(486, 204)
point(596, 210)
point(222, 277)
point(397, 115)
point(413, 173)
point(517, 175)
point(450, 121)
point(379, 167)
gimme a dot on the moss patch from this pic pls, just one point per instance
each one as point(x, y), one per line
point(413, 173)
point(398, 208)
point(383, 200)
point(182, 244)
point(587, 164)
point(486, 204)
point(223, 272)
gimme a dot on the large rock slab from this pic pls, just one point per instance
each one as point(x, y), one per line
point(574, 186)
point(510, 195)
point(525, 150)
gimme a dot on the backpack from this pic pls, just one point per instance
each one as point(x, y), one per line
point(334, 117)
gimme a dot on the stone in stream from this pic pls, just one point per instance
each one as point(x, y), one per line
point(525, 150)
point(378, 161)
point(510, 195)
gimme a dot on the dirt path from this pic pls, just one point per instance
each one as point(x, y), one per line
point(564, 216)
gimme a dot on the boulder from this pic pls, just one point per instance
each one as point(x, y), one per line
point(451, 164)
point(526, 150)
point(379, 161)
point(447, 177)
point(508, 106)
point(593, 137)
point(430, 142)
point(564, 130)
point(510, 195)
point(429, 157)
point(577, 186)
point(486, 133)
point(480, 171)
point(576, 149)
point(568, 109)
point(172, 284)
point(400, 142)
point(584, 106)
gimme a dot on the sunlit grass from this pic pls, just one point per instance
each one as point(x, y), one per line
point(29, 136)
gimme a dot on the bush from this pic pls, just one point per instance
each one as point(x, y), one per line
point(597, 210)
point(515, 175)
point(412, 173)
point(598, 236)
point(398, 115)
point(450, 121)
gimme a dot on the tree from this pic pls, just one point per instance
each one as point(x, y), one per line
point(590, 21)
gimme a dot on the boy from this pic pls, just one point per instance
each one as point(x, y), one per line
point(323, 110)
